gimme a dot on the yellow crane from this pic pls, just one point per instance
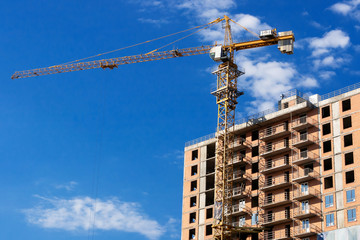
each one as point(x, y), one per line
point(226, 97)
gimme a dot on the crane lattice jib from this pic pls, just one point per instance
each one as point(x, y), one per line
point(115, 62)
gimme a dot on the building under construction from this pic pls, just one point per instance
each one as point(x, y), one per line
point(293, 172)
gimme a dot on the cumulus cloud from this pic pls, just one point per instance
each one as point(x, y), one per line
point(76, 214)
point(330, 40)
point(328, 51)
point(347, 8)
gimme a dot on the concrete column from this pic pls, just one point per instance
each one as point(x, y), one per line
point(202, 184)
point(201, 232)
point(202, 216)
point(340, 219)
point(202, 200)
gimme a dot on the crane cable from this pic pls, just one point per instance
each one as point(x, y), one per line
point(256, 35)
point(137, 44)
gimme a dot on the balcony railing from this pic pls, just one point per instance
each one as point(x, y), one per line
point(272, 165)
point(274, 218)
point(303, 122)
point(274, 131)
point(304, 157)
point(240, 142)
point(240, 224)
point(303, 139)
point(275, 182)
point(241, 158)
point(275, 200)
point(306, 194)
point(306, 212)
point(241, 191)
point(270, 149)
point(240, 208)
point(305, 174)
point(240, 175)
point(300, 231)
point(276, 235)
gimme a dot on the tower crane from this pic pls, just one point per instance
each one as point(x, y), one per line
point(226, 94)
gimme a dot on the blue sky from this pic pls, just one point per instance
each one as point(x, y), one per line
point(118, 136)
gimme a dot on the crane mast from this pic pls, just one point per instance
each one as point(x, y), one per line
point(226, 94)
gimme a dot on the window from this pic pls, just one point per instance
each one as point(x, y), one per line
point(255, 167)
point(192, 234)
point(346, 105)
point(327, 164)
point(194, 155)
point(330, 220)
point(325, 112)
point(193, 186)
point(347, 122)
point(326, 129)
point(305, 225)
point(304, 188)
point(193, 201)
point(350, 176)
point(254, 218)
point(209, 213)
point(348, 140)
point(192, 218)
point(210, 150)
point(350, 195)
point(349, 158)
point(328, 182)
point(254, 201)
point(255, 135)
point(351, 215)
point(329, 201)
point(255, 151)
point(255, 184)
point(286, 105)
point(327, 146)
point(242, 221)
point(208, 230)
point(193, 170)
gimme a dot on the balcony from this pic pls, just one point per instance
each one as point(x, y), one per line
point(240, 224)
point(311, 211)
point(303, 175)
point(272, 149)
point(304, 157)
point(303, 123)
point(239, 192)
point(274, 132)
point(275, 200)
point(273, 165)
point(241, 143)
point(275, 182)
point(271, 219)
point(239, 175)
point(307, 194)
point(302, 232)
point(283, 234)
point(303, 140)
point(240, 209)
point(240, 158)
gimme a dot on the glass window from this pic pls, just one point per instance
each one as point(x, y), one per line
point(329, 201)
point(305, 224)
point(330, 220)
point(254, 219)
point(351, 215)
point(304, 188)
point(350, 195)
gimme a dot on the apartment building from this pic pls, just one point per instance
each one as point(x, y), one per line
point(295, 171)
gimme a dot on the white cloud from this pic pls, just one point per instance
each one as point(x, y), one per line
point(326, 74)
point(76, 214)
point(307, 82)
point(329, 61)
point(330, 40)
point(67, 186)
point(347, 8)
